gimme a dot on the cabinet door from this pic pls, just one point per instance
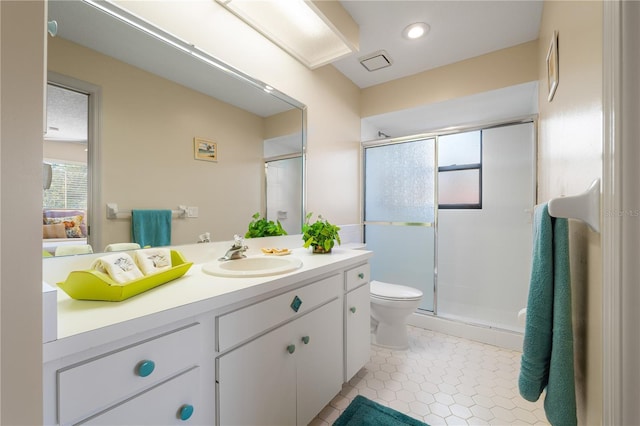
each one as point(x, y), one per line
point(358, 331)
point(257, 381)
point(171, 403)
point(319, 360)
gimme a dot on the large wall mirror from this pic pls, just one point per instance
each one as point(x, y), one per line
point(128, 106)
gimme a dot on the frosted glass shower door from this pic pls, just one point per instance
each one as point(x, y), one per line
point(399, 214)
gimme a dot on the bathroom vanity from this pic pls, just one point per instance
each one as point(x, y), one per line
point(205, 349)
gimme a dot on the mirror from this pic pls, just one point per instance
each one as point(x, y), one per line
point(154, 95)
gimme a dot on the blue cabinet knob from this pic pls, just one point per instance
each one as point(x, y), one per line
point(185, 412)
point(353, 309)
point(145, 368)
point(305, 339)
point(291, 348)
point(361, 275)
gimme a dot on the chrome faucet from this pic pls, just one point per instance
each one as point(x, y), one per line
point(237, 249)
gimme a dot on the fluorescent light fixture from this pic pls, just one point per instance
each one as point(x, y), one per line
point(296, 26)
point(116, 12)
point(136, 22)
point(417, 30)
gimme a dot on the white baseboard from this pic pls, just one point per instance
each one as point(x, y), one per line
point(492, 336)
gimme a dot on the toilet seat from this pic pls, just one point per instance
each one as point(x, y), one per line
point(386, 291)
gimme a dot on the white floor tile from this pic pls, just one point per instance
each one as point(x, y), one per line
point(442, 380)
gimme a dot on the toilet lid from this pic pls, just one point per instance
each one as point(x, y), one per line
point(394, 291)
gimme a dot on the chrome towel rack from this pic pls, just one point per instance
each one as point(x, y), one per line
point(585, 206)
point(114, 213)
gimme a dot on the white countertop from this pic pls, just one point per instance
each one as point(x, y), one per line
point(195, 293)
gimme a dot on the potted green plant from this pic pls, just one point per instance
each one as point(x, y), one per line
point(321, 235)
point(261, 227)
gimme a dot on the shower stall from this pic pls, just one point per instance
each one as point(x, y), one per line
point(450, 213)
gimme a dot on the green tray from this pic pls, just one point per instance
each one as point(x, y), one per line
point(96, 285)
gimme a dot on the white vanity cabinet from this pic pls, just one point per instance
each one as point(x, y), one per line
point(357, 322)
point(292, 368)
point(208, 350)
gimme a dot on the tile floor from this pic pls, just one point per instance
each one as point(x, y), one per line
point(442, 380)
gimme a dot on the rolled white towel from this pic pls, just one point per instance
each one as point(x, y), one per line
point(153, 260)
point(119, 266)
point(122, 246)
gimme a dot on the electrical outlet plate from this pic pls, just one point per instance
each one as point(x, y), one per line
point(192, 212)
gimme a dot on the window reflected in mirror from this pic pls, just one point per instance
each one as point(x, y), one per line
point(65, 151)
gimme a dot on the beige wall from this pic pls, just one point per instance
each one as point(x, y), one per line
point(570, 158)
point(147, 154)
point(282, 124)
point(22, 68)
point(503, 68)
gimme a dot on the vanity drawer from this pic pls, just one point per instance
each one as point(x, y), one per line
point(92, 386)
point(175, 401)
point(356, 277)
point(238, 326)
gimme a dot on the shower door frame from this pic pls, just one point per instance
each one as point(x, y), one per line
point(434, 134)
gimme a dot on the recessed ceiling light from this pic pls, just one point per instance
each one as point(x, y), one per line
point(415, 30)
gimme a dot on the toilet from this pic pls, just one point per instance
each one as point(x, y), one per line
point(391, 305)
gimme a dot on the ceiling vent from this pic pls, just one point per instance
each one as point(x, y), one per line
point(376, 60)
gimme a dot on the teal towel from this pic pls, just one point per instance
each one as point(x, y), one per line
point(547, 358)
point(151, 228)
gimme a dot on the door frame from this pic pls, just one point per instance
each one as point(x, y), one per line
point(620, 231)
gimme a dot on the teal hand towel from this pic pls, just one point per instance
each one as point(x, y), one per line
point(547, 358)
point(151, 228)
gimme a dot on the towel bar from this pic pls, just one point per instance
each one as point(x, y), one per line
point(585, 206)
point(114, 213)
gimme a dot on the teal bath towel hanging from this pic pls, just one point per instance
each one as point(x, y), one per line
point(547, 358)
point(151, 228)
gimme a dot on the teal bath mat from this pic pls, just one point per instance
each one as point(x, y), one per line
point(364, 412)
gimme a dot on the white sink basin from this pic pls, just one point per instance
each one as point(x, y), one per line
point(256, 266)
